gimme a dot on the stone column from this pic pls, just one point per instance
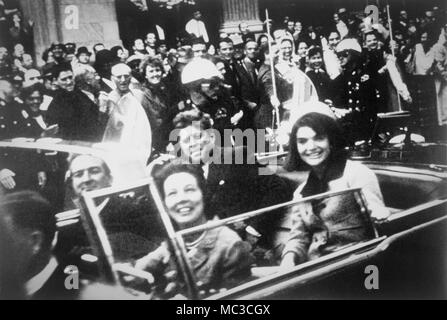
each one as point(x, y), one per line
point(84, 22)
point(237, 11)
point(43, 13)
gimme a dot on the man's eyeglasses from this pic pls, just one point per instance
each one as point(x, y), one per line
point(211, 84)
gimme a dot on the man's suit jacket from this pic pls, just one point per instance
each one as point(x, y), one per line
point(234, 189)
point(54, 288)
point(248, 85)
point(76, 115)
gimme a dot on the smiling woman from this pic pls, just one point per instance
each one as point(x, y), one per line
point(317, 142)
point(218, 257)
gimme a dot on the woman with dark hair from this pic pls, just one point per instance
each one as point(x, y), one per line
point(218, 257)
point(119, 54)
point(104, 60)
point(317, 142)
point(32, 97)
point(157, 102)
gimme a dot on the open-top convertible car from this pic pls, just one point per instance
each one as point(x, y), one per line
point(110, 229)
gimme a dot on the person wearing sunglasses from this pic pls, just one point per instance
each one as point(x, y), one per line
point(204, 84)
point(355, 92)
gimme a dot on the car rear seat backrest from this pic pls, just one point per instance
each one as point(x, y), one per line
point(403, 188)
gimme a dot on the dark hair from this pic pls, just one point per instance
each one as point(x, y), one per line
point(103, 63)
point(70, 48)
point(332, 31)
point(59, 68)
point(29, 210)
point(300, 42)
point(289, 40)
point(248, 41)
point(263, 49)
point(431, 39)
point(198, 40)
point(73, 157)
point(314, 50)
point(27, 91)
point(187, 118)
point(152, 62)
point(217, 59)
point(114, 50)
point(225, 40)
point(262, 36)
point(58, 45)
point(97, 45)
point(47, 71)
point(372, 33)
point(239, 25)
point(174, 167)
point(45, 55)
point(322, 125)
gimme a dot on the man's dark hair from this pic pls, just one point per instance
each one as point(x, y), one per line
point(248, 41)
point(197, 40)
point(225, 40)
point(45, 55)
point(70, 47)
point(29, 210)
point(373, 33)
point(73, 157)
point(328, 34)
point(97, 45)
point(27, 91)
point(314, 50)
point(59, 46)
point(217, 59)
point(187, 118)
point(59, 68)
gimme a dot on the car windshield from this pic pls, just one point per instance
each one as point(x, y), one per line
point(219, 255)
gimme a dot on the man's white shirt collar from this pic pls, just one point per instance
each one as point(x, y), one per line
point(90, 95)
point(206, 170)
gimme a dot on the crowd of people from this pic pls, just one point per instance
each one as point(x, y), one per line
point(353, 65)
point(345, 74)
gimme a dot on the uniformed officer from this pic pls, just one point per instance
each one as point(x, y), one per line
point(355, 92)
point(12, 122)
point(18, 169)
point(204, 84)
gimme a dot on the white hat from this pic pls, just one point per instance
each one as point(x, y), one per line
point(310, 107)
point(199, 69)
point(349, 44)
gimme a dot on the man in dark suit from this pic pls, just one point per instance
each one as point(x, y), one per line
point(130, 222)
point(72, 110)
point(247, 72)
point(233, 187)
point(226, 52)
point(31, 220)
